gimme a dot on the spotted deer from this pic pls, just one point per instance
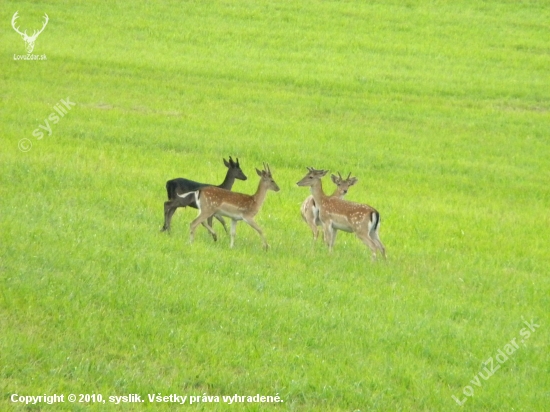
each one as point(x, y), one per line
point(310, 211)
point(215, 201)
point(336, 213)
point(181, 186)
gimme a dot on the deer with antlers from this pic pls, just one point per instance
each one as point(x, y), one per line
point(182, 186)
point(29, 40)
point(336, 213)
point(214, 201)
point(310, 211)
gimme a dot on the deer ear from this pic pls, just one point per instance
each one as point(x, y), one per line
point(225, 163)
point(259, 172)
point(323, 172)
point(352, 181)
point(334, 179)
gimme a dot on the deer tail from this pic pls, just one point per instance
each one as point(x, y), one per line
point(375, 221)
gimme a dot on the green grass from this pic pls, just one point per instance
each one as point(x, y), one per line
point(441, 109)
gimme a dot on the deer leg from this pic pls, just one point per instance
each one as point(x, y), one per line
point(316, 220)
point(209, 228)
point(373, 228)
point(200, 219)
point(328, 231)
point(252, 223)
point(310, 214)
point(365, 238)
point(233, 232)
point(309, 217)
point(313, 227)
point(208, 225)
point(315, 233)
point(169, 210)
point(324, 235)
point(334, 233)
point(221, 220)
point(332, 238)
point(171, 205)
point(379, 245)
point(373, 234)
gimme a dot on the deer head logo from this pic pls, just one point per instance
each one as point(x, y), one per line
point(29, 40)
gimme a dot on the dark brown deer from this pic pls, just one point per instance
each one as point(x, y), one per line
point(182, 186)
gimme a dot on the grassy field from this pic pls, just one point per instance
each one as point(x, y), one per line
point(442, 111)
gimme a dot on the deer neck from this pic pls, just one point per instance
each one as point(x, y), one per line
point(317, 192)
point(228, 181)
point(260, 194)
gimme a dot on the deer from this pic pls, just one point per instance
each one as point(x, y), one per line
point(181, 185)
point(216, 201)
point(29, 40)
point(340, 214)
point(309, 210)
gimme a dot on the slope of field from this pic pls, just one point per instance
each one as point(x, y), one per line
point(442, 111)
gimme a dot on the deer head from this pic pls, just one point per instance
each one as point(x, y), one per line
point(342, 184)
point(267, 178)
point(234, 168)
point(312, 177)
point(29, 40)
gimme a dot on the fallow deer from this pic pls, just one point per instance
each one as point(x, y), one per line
point(181, 185)
point(214, 201)
point(336, 213)
point(310, 211)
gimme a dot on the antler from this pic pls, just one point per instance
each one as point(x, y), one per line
point(313, 170)
point(15, 17)
point(347, 178)
point(35, 34)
